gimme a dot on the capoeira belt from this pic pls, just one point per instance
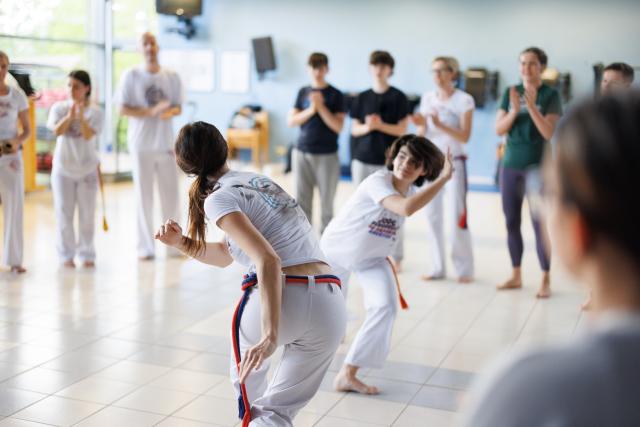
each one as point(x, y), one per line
point(462, 220)
point(403, 302)
point(248, 282)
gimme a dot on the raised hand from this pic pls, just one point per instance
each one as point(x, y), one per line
point(316, 98)
point(435, 119)
point(170, 233)
point(530, 95)
point(418, 119)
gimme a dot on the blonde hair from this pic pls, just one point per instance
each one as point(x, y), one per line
point(4, 55)
point(451, 63)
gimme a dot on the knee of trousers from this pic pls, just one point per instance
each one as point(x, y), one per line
point(389, 311)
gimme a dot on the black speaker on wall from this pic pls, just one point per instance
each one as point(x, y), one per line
point(263, 54)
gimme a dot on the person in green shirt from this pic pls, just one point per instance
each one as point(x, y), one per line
point(527, 116)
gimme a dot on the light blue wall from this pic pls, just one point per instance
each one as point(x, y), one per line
point(575, 35)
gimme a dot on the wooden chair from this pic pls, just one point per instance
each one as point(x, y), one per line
point(256, 139)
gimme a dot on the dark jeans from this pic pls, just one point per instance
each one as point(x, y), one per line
point(513, 189)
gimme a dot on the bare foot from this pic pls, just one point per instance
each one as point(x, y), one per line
point(586, 305)
point(430, 277)
point(18, 269)
point(147, 258)
point(346, 384)
point(69, 264)
point(545, 287)
point(512, 283)
point(465, 279)
point(88, 264)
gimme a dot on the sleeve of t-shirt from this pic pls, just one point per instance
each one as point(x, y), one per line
point(378, 187)
point(178, 90)
point(22, 101)
point(298, 105)
point(555, 105)
point(55, 114)
point(424, 104)
point(466, 103)
point(97, 121)
point(403, 106)
point(504, 103)
point(124, 95)
point(220, 203)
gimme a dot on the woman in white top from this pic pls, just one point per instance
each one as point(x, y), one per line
point(74, 178)
point(14, 110)
point(363, 235)
point(298, 303)
point(592, 380)
point(445, 117)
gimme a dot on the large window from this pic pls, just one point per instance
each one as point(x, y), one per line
point(49, 38)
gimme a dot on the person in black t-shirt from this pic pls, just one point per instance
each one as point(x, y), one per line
point(319, 110)
point(379, 115)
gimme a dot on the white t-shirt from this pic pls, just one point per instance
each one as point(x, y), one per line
point(450, 113)
point(274, 213)
point(142, 89)
point(75, 156)
point(364, 230)
point(592, 380)
point(10, 105)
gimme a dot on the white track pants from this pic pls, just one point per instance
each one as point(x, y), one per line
point(450, 204)
point(372, 343)
point(311, 327)
point(12, 195)
point(67, 194)
point(150, 167)
point(361, 170)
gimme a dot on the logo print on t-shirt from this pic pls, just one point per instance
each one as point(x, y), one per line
point(270, 192)
point(5, 107)
point(384, 227)
point(153, 95)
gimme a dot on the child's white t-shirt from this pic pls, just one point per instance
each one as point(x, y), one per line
point(142, 89)
point(273, 212)
point(450, 112)
point(11, 105)
point(75, 156)
point(364, 230)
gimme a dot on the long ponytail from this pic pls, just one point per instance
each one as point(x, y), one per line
point(201, 151)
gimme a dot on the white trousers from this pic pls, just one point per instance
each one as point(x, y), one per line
point(67, 194)
point(311, 170)
point(150, 167)
point(450, 204)
point(312, 324)
point(361, 170)
point(372, 343)
point(12, 195)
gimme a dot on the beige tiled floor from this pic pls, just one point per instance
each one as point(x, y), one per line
point(146, 343)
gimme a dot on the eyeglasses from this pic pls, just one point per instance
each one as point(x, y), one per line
point(440, 70)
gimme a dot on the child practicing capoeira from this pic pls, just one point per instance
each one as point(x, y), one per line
point(298, 302)
point(14, 109)
point(74, 178)
point(362, 236)
point(445, 118)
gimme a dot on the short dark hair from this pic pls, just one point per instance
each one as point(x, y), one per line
point(83, 77)
point(381, 57)
point(317, 60)
point(543, 59)
point(625, 69)
point(597, 156)
point(423, 150)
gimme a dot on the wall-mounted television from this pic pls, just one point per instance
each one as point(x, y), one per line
point(184, 8)
point(263, 53)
